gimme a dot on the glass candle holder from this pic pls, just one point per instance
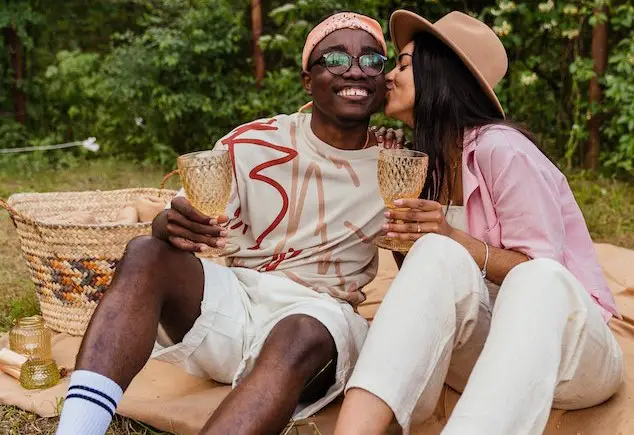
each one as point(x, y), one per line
point(31, 337)
point(39, 373)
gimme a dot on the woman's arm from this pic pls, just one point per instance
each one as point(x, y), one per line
point(429, 217)
point(526, 201)
point(500, 262)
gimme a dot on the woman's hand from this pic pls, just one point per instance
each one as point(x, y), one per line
point(187, 229)
point(423, 217)
point(388, 137)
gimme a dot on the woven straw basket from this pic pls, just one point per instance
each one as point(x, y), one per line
point(73, 264)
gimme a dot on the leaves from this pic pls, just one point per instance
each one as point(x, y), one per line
point(184, 67)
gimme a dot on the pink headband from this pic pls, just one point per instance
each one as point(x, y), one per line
point(343, 20)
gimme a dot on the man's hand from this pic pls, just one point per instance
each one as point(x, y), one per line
point(187, 229)
point(388, 137)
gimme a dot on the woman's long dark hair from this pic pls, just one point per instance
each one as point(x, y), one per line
point(448, 100)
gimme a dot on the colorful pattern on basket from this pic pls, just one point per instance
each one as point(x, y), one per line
point(74, 281)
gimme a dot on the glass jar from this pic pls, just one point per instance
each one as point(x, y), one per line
point(31, 337)
point(39, 373)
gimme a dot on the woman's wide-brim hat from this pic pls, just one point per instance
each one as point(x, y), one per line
point(472, 40)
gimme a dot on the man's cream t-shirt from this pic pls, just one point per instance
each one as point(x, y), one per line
point(302, 208)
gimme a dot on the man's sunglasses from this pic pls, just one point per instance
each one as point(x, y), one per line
point(339, 62)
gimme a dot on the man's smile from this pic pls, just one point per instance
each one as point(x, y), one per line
point(353, 92)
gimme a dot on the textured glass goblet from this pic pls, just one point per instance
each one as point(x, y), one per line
point(206, 177)
point(401, 174)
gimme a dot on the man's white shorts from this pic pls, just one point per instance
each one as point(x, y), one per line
point(240, 307)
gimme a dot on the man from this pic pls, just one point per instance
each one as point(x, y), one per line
point(279, 322)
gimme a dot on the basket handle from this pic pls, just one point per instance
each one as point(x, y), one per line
point(167, 177)
point(12, 212)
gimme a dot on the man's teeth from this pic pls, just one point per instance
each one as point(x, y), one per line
point(352, 92)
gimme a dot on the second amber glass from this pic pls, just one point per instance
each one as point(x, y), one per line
point(401, 174)
point(207, 178)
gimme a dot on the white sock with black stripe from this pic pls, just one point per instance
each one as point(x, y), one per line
point(90, 404)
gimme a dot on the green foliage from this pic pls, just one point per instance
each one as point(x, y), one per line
point(619, 94)
point(20, 15)
point(550, 70)
point(13, 134)
point(154, 78)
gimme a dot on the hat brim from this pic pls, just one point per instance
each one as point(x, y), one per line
point(404, 25)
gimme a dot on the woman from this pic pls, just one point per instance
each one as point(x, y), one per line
point(498, 212)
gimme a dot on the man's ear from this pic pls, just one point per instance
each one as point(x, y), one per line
point(307, 82)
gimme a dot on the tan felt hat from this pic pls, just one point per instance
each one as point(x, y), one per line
point(473, 41)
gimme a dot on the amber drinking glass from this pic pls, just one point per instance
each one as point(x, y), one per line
point(31, 337)
point(401, 174)
point(207, 178)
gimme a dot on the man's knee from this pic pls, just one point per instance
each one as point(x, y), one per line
point(311, 354)
point(146, 259)
point(147, 254)
point(307, 344)
point(146, 247)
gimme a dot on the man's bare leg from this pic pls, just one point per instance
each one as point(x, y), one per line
point(297, 349)
point(153, 281)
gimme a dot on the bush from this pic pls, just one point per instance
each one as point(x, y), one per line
point(550, 70)
point(155, 78)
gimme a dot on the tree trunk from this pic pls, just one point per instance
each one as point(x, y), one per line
point(600, 58)
point(256, 28)
point(14, 47)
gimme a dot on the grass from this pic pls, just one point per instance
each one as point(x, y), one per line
point(14, 421)
point(608, 206)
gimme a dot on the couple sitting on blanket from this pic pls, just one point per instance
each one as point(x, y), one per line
point(501, 295)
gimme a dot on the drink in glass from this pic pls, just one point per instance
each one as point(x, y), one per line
point(207, 178)
point(401, 174)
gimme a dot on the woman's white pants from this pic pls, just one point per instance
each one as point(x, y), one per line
point(542, 343)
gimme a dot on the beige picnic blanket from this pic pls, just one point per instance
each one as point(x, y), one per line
point(167, 398)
